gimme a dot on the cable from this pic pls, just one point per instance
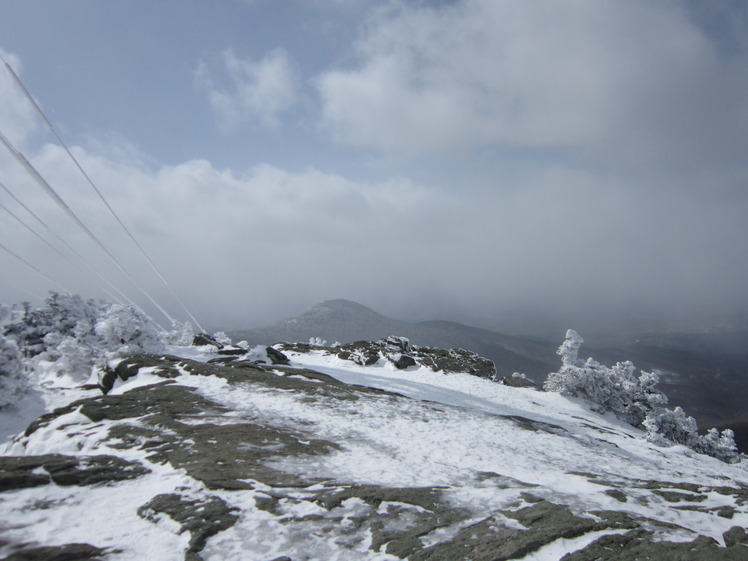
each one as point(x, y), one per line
point(93, 185)
point(30, 229)
point(48, 243)
point(63, 205)
point(91, 268)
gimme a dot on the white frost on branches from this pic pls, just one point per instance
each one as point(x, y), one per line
point(569, 349)
point(181, 334)
point(221, 338)
point(634, 399)
point(673, 426)
point(65, 339)
point(13, 381)
point(125, 330)
point(617, 389)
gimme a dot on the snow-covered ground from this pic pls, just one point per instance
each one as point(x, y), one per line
point(455, 429)
point(474, 434)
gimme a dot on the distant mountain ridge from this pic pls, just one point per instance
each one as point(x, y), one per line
point(703, 372)
point(344, 321)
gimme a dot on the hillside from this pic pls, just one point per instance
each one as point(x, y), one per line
point(326, 460)
point(702, 370)
point(345, 321)
point(146, 444)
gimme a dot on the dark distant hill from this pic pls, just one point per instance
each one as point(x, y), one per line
point(332, 320)
point(345, 321)
point(705, 372)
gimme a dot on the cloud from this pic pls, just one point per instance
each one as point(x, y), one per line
point(601, 105)
point(639, 78)
point(235, 246)
point(242, 90)
point(245, 248)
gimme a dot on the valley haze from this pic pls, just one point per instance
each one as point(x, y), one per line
point(703, 371)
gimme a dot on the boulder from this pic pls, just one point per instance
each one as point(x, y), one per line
point(396, 343)
point(232, 351)
point(518, 382)
point(276, 357)
point(130, 366)
point(403, 355)
point(67, 552)
point(402, 361)
point(203, 339)
point(455, 360)
point(19, 472)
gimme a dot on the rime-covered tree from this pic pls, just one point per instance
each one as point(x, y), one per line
point(13, 382)
point(674, 426)
point(127, 330)
point(68, 335)
point(618, 388)
point(63, 314)
point(635, 399)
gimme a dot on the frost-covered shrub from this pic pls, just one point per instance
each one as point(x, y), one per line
point(68, 336)
point(57, 338)
point(65, 314)
point(618, 388)
point(222, 338)
point(569, 349)
point(126, 330)
point(64, 356)
point(634, 399)
point(13, 382)
point(673, 426)
point(317, 342)
point(181, 334)
point(721, 445)
point(6, 314)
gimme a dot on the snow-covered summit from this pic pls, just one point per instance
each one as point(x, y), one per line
point(222, 451)
point(339, 309)
point(328, 459)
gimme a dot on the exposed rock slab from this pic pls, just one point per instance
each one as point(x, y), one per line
point(19, 472)
point(202, 517)
point(232, 455)
point(399, 352)
point(67, 552)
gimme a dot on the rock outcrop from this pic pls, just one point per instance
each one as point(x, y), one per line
point(229, 475)
point(399, 352)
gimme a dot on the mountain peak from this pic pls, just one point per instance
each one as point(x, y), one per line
point(333, 320)
point(339, 313)
point(338, 307)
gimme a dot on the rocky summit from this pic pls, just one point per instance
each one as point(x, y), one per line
point(398, 352)
point(372, 450)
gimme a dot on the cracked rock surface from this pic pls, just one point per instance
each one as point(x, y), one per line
point(188, 460)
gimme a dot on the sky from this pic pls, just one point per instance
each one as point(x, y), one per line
point(509, 164)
